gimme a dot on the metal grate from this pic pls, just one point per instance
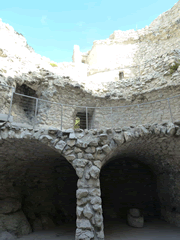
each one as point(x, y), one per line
point(81, 118)
point(23, 109)
point(37, 112)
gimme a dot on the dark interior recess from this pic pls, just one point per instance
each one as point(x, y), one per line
point(42, 180)
point(27, 104)
point(80, 121)
point(24, 89)
point(126, 183)
point(121, 75)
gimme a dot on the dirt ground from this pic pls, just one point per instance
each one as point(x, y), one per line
point(153, 230)
point(115, 230)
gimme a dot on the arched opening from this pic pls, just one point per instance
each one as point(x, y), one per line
point(37, 191)
point(83, 118)
point(121, 75)
point(24, 105)
point(128, 181)
point(127, 184)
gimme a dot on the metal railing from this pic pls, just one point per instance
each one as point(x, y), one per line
point(36, 112)
point(6, 98)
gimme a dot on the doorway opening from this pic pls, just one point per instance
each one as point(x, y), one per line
point(121, 75)
point(127, 184)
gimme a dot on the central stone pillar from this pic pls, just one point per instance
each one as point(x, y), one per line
point(89, 209)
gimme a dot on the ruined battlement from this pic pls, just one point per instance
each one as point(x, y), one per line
point(125, 51)
point(126, 70)
point(116, 71)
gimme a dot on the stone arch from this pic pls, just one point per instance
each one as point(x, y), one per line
point(88, 150)
point(79, 149)
point(125, 184)
point(147, 141)
point(156, 146)
point(41, 189)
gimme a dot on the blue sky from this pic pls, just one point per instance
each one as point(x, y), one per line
point(52, 28)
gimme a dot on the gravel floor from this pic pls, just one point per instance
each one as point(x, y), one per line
point(153, 229)
point(64, 232)
point(115, 230)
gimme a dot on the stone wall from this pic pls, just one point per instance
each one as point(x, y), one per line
point(113, 136)
point(68, 82)
point(38, 187)
point(154, 48)
point(132, 48)
point(125, 184)
point(57, 115)
point(156, 146)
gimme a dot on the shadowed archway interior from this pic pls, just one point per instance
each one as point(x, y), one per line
point(126, 183)
point(38, 187)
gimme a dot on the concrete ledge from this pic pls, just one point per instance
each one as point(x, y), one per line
point(4, 118)
point(24, 125)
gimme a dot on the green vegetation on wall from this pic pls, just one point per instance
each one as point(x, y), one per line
point(53, 64)
point(77, 123)
point(174, 67)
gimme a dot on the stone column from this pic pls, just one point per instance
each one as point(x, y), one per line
point(89, 210)
point(76, 55)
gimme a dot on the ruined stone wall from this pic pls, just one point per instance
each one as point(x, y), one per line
point(151, 151)
point(17, 57)
point(152, 81)
point(132, 48)
point(155, 112)
point(125, 184)
point(113, 134)
point(76, 71)
point(156, 146)
point(100, 118)
point(59, 114)
point(38, 188)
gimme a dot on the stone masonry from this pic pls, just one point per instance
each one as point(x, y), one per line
point(87, 151)
point(51, 176)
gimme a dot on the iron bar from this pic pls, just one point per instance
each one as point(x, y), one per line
point(86, 118)
point(12, 95)
point(139, 72)
point(164, 99)
point(111, 118)
point(153, 112)
point(170, 110)
point(35, 115)
point(7, 86)
point(81, 107)
point(61, 116)
point(139, 114)
point(25, 95)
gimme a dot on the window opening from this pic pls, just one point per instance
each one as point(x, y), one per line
point(24, 105)
point(80, 119)
point(121, 75)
